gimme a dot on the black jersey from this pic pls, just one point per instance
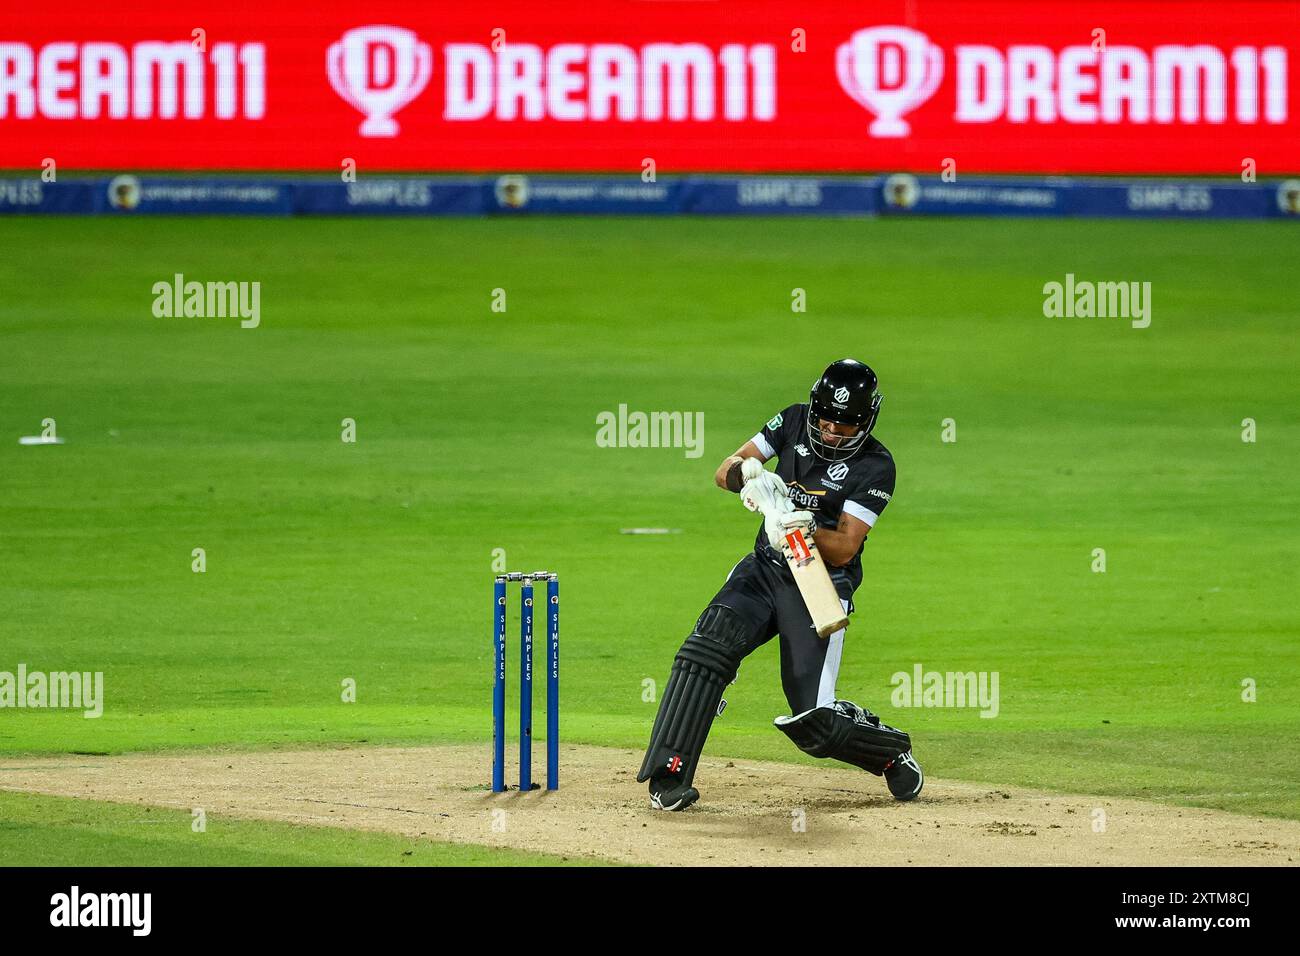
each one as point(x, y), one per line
point(861, 485)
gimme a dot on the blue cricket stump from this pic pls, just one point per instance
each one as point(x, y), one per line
point(526, 686)
point(553, 682)
point(499, 688)
point(526, 599)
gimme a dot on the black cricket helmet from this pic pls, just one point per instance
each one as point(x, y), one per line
point(846, 393)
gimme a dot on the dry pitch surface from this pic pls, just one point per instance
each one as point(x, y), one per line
point(751, 812)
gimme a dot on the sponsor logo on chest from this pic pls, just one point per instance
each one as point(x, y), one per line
point(805, 498)
point(835, 474)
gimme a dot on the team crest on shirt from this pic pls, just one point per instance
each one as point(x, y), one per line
point(837, 472)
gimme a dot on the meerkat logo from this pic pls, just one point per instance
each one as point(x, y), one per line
point(902, 191)
point(1288, 197)
point(512, 192)
point(124, 193)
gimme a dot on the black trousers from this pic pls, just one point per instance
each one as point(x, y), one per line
point(765, 595)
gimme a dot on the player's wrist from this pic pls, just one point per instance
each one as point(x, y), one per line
point(734, 480)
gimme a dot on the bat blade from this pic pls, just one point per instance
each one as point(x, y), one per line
point(814, 582)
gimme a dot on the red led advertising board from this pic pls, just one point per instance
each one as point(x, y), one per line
point(733, 85)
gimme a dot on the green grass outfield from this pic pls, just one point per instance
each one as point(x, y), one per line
point(56, 831)
point(476, 431)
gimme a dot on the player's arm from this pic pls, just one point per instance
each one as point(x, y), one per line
point(871, 489)
point(838, 545)
point(727, 477)
point(766, 445)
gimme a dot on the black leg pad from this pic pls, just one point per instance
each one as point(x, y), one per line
point(846, 732)
point(705, 665)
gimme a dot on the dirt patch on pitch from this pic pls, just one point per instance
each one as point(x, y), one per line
point(752, 813)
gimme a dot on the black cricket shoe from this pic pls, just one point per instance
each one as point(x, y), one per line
point(904, 776)
point(667, 793)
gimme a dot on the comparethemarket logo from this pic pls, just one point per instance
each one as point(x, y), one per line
point(74, 690)
point(75, 908)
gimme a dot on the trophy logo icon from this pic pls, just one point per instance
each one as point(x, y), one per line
point(379, 69)
point(889, 71)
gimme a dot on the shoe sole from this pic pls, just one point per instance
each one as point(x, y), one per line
point(913, 795)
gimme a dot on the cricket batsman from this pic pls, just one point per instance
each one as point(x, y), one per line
point(832, 481)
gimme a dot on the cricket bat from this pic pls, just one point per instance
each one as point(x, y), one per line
point(814, 583)
point(806, 564)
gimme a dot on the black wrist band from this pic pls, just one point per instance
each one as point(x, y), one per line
point(733, 477)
